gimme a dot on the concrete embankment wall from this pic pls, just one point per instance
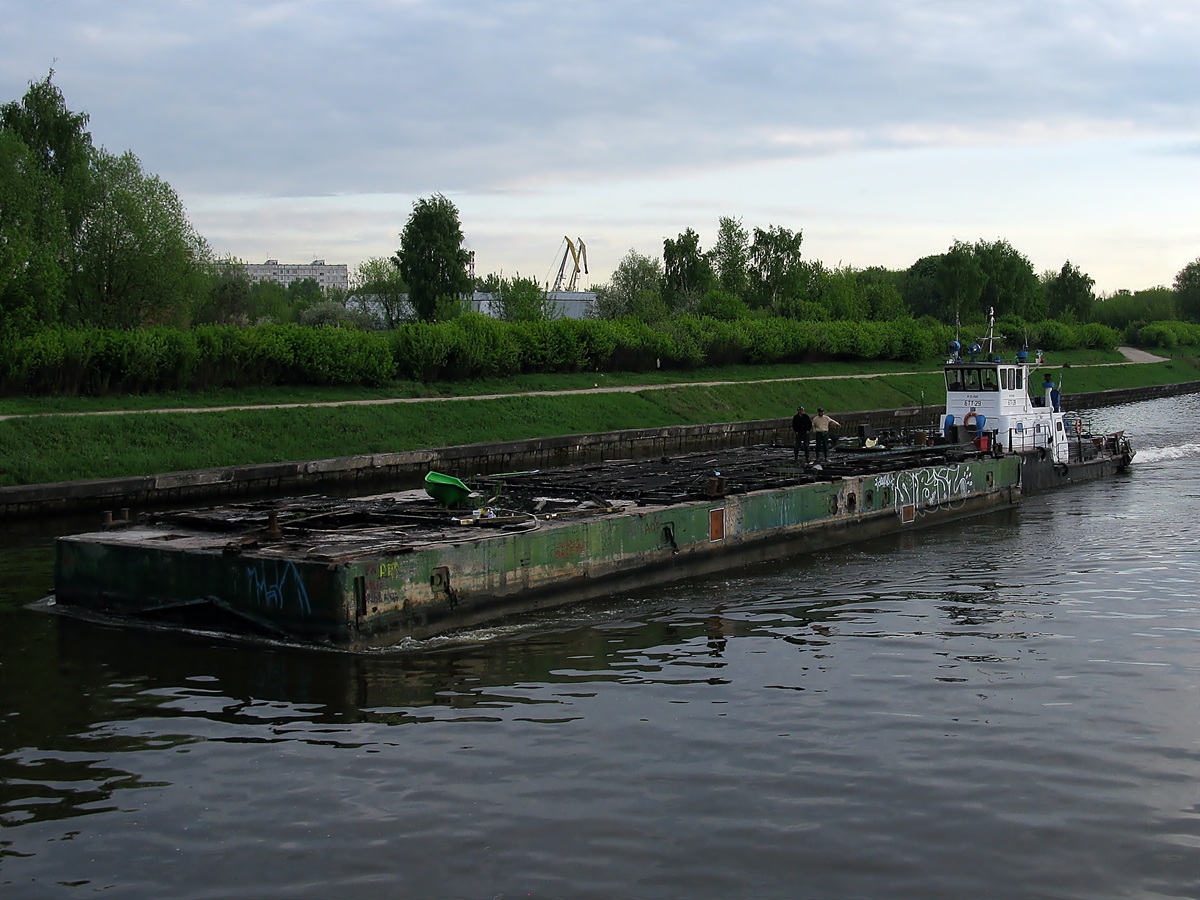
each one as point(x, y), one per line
point(381, 471)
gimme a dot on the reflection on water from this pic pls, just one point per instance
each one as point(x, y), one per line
point(907, 717)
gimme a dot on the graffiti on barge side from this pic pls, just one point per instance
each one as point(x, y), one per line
point(281, 589)
point(929, 486)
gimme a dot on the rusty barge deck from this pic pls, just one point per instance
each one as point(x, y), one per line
point(372, 571)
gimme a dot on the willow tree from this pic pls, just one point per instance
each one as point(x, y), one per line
point(775, 266)
point(1070, 294)
point(687, 272)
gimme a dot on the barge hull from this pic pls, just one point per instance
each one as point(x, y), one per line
point(1039, 472)
point(355, 595)
point(663, 567)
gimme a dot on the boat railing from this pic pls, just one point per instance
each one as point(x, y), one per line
point(1017, 441)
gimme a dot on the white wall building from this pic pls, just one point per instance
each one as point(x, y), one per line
point(568, 304)
point(324, 275)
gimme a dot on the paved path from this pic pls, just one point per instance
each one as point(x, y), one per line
point(1140, 356)
point(1131, 355)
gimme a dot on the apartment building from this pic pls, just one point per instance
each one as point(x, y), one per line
point(326, 276)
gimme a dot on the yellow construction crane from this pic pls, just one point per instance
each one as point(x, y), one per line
point(577, 253)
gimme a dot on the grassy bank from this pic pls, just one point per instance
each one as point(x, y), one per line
point(265, 396)
point(515, 384)
point(48, 448)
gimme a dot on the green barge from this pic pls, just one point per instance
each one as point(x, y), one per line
point(370, 572)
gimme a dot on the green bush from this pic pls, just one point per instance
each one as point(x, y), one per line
point(420, 350)
point(156, 359)
point(766, 340)
point(1094, 336)
point(1167, 334)
point(564, 352)
point(686, 351)
point(722, 306)
point(221, 357)
point(913, 341)
point(1054, 335)
point(268, 355)
point(483, 346)
point(598, 338)
point(24, 361)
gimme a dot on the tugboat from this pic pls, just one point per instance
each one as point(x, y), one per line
point(994, 404)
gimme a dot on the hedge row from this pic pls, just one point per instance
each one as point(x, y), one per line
point(1167, 335)
point(1054, 335)
point(472, 345)
point(95, 361)
point(101, 361)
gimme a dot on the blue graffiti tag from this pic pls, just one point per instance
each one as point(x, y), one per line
point(287, 587)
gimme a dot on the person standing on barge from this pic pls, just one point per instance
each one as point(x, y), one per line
point(821, 425)
point(802, 426)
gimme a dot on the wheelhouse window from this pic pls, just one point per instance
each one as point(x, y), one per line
point(971, 379)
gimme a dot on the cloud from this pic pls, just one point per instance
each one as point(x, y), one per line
point(275, 102)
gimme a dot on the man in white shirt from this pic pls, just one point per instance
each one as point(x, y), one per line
point(821, 424)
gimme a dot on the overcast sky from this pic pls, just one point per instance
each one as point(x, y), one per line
point(883, 129)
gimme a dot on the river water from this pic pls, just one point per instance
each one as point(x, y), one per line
point(1006, 708)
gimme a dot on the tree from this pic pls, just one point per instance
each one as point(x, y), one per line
point(1187, 291)
point(431, 258)
point(815, 297)
point(634, 290)
point(1011, 286)
point(687, 274)
point(1137, 308)
point(228, 297)
point(878, 288)
point(490, 283)
point(1070, 294)
point(33, 241)
point(333, 314)
point(774, 266)
point(304, 293)
point(137, 259)
point(523, 300)
point(58, 140)
point(920, 289)
point(717, 304)
point(960, 280)
point(730, 256)
point(269, 303)
point(379, 290)
point(842, 293)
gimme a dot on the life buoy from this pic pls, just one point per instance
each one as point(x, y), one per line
point(970, 419)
